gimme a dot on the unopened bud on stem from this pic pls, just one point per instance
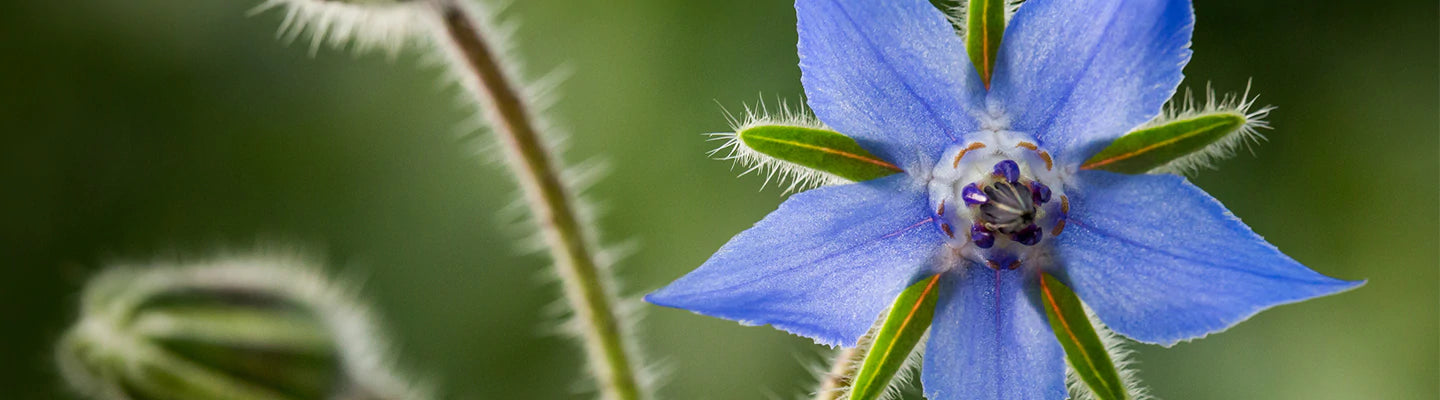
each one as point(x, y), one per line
point(271, 329)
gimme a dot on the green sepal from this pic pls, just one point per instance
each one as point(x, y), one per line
point(818, 149)
point(232, 331)
point(129, 368)
point(279, 349)
point(984, 27)
point(906, 323)
point(1146, 149)
point(1083, 348)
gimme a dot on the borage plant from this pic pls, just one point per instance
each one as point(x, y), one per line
point(1001, 183)
point(1012, 199)
point(464, 37)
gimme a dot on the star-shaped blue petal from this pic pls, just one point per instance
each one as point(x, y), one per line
point(990, 340)
point(892, 75)
point(1080, 73)
point(1160, 261)
point(822, 266)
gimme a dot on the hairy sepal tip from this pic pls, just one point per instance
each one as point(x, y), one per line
point(1188, 136)
point(796, 150)
point(1243, 106)
point(1122, 358)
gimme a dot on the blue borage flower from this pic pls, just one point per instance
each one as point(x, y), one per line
point(993, 195)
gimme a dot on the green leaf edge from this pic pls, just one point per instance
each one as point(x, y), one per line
point(905, 324)
point(1146, 149)
point(1083, 348)
point(985, 20)
point(819, 149)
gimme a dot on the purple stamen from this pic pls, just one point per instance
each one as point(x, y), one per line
point(1039, 192)
point(1029, 236)
point(981, 236)
point(973, 195)
point(1009, 170)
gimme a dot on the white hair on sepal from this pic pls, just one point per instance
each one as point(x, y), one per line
point(894, 390)
point(957, 14)
point(1245, 137)
point(793, 177)
point(363, 25)
point(817, 367)
point(1120, 356)
point(906, 375)
point(835, 371)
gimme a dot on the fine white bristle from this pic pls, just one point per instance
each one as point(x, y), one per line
point(1120, 355)
point(1242, 105)
point(793, 177)
point(538, 95)
point(385, 25)
point(957, 14)
point(895, 389)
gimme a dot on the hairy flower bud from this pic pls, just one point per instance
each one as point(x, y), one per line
point(245, 329)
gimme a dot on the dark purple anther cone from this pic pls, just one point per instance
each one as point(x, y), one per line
point(973, 195)
point(1029, 236)
point(1039, 192)
point(1008, 169)
point(981, 237)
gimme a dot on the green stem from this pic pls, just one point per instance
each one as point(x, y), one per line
point(611, 360)
point(837, 380)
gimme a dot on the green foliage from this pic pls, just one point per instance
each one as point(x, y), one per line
point(1149, 148)
point(1083, 348)
point(819, 149)
point(234, 331)
point(984, 27)
point(909, 317)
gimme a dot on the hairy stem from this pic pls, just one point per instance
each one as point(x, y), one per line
point(611, 361)
point(837, 380)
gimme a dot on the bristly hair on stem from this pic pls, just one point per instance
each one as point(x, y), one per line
point(1241, 105)
point(363, 25)
point(794, 178)
point(836, 379)
point(478, 57)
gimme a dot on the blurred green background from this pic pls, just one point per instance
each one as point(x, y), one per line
point(143, 129)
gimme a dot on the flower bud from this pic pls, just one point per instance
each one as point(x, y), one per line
point(247, 329)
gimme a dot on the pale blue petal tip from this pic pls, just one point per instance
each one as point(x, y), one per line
point(1160, 261)
point(825, 265)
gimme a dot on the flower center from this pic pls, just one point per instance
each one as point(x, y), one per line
point(999, 198)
